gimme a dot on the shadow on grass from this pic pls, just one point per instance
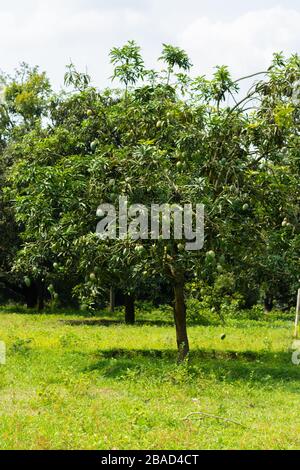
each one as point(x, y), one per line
point(109, 322)
point(255, 367)
point(104, 320)
point(161, 319)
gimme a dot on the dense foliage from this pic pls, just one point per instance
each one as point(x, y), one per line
point(163, 137)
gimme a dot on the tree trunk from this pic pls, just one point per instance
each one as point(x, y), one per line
point(35, 296)
point(31, 296)
point(180, 320)
point(41, 297)
point(268, 303)
point(112, 300)
point(129, 310)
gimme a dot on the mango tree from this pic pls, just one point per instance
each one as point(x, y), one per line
point(165, 139)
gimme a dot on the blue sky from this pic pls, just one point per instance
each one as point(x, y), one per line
point(241, 34)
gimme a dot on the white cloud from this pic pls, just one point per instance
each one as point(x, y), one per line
point(246, 43)
point(47, 22)
point(51, 32)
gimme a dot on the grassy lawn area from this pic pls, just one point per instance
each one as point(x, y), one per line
point(70, 385)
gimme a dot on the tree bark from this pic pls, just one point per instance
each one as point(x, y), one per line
point(129, 310)
point(180, 319)
point(268, 303)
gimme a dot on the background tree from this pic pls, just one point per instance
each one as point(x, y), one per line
point(24, 104)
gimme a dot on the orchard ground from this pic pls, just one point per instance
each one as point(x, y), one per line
point(69, 384)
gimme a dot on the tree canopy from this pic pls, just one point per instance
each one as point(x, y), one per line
point(163, 137)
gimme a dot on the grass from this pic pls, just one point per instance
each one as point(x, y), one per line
point(71, 385)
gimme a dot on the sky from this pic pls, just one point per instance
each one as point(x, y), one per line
point(240, 34)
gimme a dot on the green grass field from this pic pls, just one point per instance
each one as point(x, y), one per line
point(110, 386)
